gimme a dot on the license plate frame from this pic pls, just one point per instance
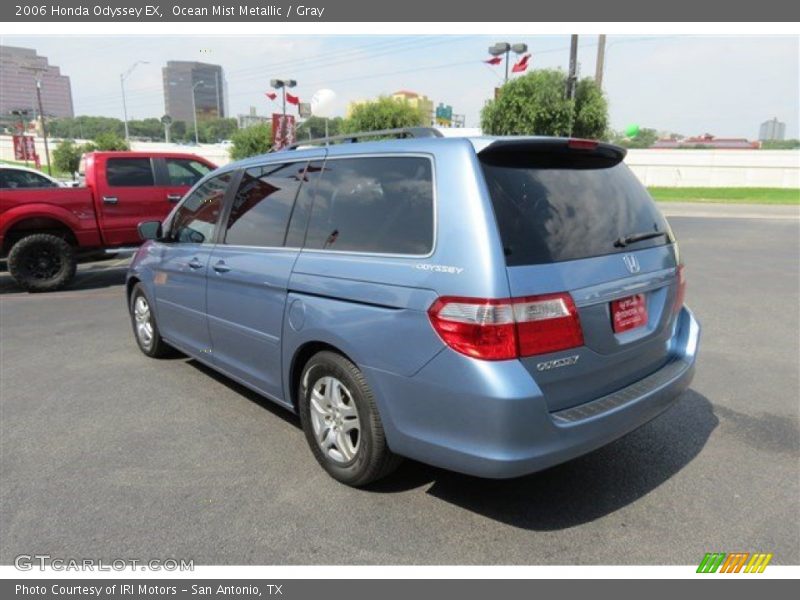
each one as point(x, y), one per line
point(629, 313)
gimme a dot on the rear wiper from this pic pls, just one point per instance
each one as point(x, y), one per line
point(637, 237)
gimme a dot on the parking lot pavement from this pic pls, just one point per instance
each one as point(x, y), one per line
point(108, 454)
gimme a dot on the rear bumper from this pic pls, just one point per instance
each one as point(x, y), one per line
point(490, 419)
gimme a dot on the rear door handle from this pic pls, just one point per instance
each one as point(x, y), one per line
point(195, 263)
point(221, 267)
point(110, 200)
point(174, 197)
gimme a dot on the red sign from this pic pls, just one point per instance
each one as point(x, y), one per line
point(629, 313)
point(283, 130)
point(24, 148)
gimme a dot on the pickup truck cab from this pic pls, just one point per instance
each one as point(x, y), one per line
point(45, 231)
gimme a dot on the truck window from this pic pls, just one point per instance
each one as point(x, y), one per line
point(382, 205)
point(129, 172)
point(19, 179)
point(263, 205)
point(195, 220)
point(185, 172)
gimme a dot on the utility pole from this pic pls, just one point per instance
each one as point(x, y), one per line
point(194, 111)
point(38, 78)
point(601, 57)
point(573, 67)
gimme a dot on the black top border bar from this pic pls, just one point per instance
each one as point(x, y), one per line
point(514, 11)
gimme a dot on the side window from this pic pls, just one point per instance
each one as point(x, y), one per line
point(185, 172)
point(196, 218)
point(263, 205)
point(129, 172)
point(296, 234)
point(381, 204)
point(14, 179)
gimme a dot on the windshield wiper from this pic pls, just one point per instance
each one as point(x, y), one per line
point(638, 237)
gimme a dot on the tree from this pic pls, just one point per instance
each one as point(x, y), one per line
point(67, 157)
point(644, 139)
point(536, 104)
point(215, 130)
point(314, 127)
point(110, 141)
point(383, 113)
point(251, 141)
point(590, 112)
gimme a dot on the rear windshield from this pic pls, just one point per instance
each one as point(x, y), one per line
point(570, 211)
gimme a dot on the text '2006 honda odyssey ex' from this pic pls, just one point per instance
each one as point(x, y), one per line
point(493, 306)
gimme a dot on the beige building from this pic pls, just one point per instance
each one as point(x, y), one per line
point(416, 100)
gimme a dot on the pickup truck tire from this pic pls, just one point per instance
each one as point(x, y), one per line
point(42, 262)
point(145, 328)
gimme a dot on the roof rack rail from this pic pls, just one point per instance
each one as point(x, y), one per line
point(403, 132)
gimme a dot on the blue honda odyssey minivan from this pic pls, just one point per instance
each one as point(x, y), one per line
point(493, 306)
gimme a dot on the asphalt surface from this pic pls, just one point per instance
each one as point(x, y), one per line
point(105, 453)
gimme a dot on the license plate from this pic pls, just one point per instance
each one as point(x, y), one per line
point(629, 313)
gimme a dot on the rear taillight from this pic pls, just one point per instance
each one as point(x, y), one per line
point(508, 328)
point(680, 295)
point(581, 144)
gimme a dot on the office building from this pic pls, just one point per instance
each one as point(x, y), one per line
point(19, 68)
point(182, 79)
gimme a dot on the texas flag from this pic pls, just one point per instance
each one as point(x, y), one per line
point(494, 61)
point(271, 95)
point(521, 65)
point(292, 99)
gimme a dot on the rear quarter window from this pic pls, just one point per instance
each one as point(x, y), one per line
point(568, 211)
point(374, 204)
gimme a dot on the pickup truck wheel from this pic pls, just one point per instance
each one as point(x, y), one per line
point(42, 262)
point(145, 329)
point(341, 422)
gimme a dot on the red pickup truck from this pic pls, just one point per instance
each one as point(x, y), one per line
point(44, 231)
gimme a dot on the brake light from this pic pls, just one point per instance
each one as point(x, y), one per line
point(492, 329)
point(680, 295)
point(581, 144)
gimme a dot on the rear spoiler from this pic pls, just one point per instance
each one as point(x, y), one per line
point(552, 153)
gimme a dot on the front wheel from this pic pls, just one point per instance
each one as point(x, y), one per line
point(341, 422)
point(42, 262)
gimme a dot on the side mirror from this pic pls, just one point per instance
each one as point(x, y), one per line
point(150, 230)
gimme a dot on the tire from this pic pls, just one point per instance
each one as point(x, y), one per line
point(42, 262)
point(145, 328)
point(334, 384)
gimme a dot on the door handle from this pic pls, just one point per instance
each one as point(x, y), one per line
point(110, 200)
point(174, 197)
point(221, 267)
point(195, 263)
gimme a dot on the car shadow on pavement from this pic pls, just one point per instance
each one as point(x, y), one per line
point(583, 489)
point(89, 277)
point(265, 403)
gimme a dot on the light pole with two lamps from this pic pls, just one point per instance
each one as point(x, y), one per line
point(505, 48)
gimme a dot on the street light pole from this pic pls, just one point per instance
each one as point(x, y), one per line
point(504, 48)
point(194, 112)
point(282, 84)
point(122, 78)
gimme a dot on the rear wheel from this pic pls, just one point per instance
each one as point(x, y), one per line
point(42, 262)
point(145, 328)
point(341, 422)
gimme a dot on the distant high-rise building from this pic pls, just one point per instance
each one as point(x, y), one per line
point(19, 68)
point(772, 130)
point(209, 86)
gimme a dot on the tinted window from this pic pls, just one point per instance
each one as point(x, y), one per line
point(181, 171)
point(381, 204)
point(263, 205)
point(565, 213)
point(129, 172)
point(14, 179)
point(295, 236)
point(195, 219)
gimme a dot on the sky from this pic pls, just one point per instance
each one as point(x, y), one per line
point(723, 85)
